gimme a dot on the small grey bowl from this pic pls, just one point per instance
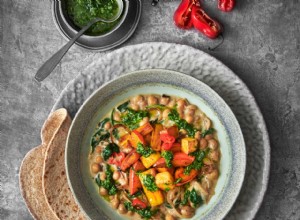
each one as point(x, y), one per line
point(118, 35)
point(157, 81)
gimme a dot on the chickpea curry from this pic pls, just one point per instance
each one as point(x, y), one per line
point(155, 157)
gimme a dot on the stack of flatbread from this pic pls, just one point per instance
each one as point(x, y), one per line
point(43, 180)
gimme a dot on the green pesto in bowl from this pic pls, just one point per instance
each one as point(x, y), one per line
point(81, 12)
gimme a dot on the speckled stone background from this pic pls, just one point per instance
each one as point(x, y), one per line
point(262, 46)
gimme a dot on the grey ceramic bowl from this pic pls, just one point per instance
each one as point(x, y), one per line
point(118, 35)
point(232, 146)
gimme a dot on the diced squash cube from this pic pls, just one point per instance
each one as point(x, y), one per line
point(164, 181)
point(136, 138)
point(155, 198)
point(149, 161)
point(188, 145)
point(124, 141)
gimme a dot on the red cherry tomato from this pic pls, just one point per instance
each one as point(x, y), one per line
point(116, 158)
point(139, 203)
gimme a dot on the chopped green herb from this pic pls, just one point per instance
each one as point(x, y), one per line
point(181, 123)
point(185, 197)
point(108, 183)
point(195, 198)
point(178, 180)
point(209, 131)
point(115, 133)
point(143, 150)
point(112, 117)
point(197, 163)
point(123, 107)
point(168, 205)
point(109, 150)
point(131, 118)
point(146, 213)
point(103, 122)
point(168, 155)
point(99, 135)
point(177, 203)
point(149, 182)
point(167, 189)
point(138, 193)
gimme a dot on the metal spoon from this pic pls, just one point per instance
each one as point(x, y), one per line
point(52, 62)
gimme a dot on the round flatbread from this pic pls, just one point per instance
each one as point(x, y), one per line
point(55, 184)
point(31, 169)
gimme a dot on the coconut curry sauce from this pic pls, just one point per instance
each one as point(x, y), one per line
point(82, 12)
point(155, 157)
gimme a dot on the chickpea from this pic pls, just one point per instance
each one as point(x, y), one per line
point(169, 217)
point(103, 191)
point(187, 211)
point(165, 113)
point(102, 176)
point(203, 143)
point(209, 136)
point(206, 123)
point(164, 100)
point(213, 175)
point(214, 155)
point(189, 119)
point(212, 144)
point(116, 175)
point(98, 159)
point(198, 135)
point(107, 126)
point(115, 203)
point(122, 209)
point(207, 161)
point(117, 116)
point(144, 121)
point(181, 102)
point(190, 110)
point(180, 112)
point(130, 213)
point(137, 99)
point(152, 100)
point(95, 168)
point(143, 105)
point(135, 107)
point(98, 149)
point(182, 132)
point(171, 103)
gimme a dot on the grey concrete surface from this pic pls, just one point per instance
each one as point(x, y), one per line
point(262, 46)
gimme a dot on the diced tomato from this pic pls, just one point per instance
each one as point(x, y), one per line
point(160, 163)
point(167, 139)
point(138, 166)
point(116, 158)
point(179, 173)
point(130, 159)
point(181, 159)
point(134, 182)
point(139, 204)
point(173, 131)
point(176, 147)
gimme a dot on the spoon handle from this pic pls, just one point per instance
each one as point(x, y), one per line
point(52, 62)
